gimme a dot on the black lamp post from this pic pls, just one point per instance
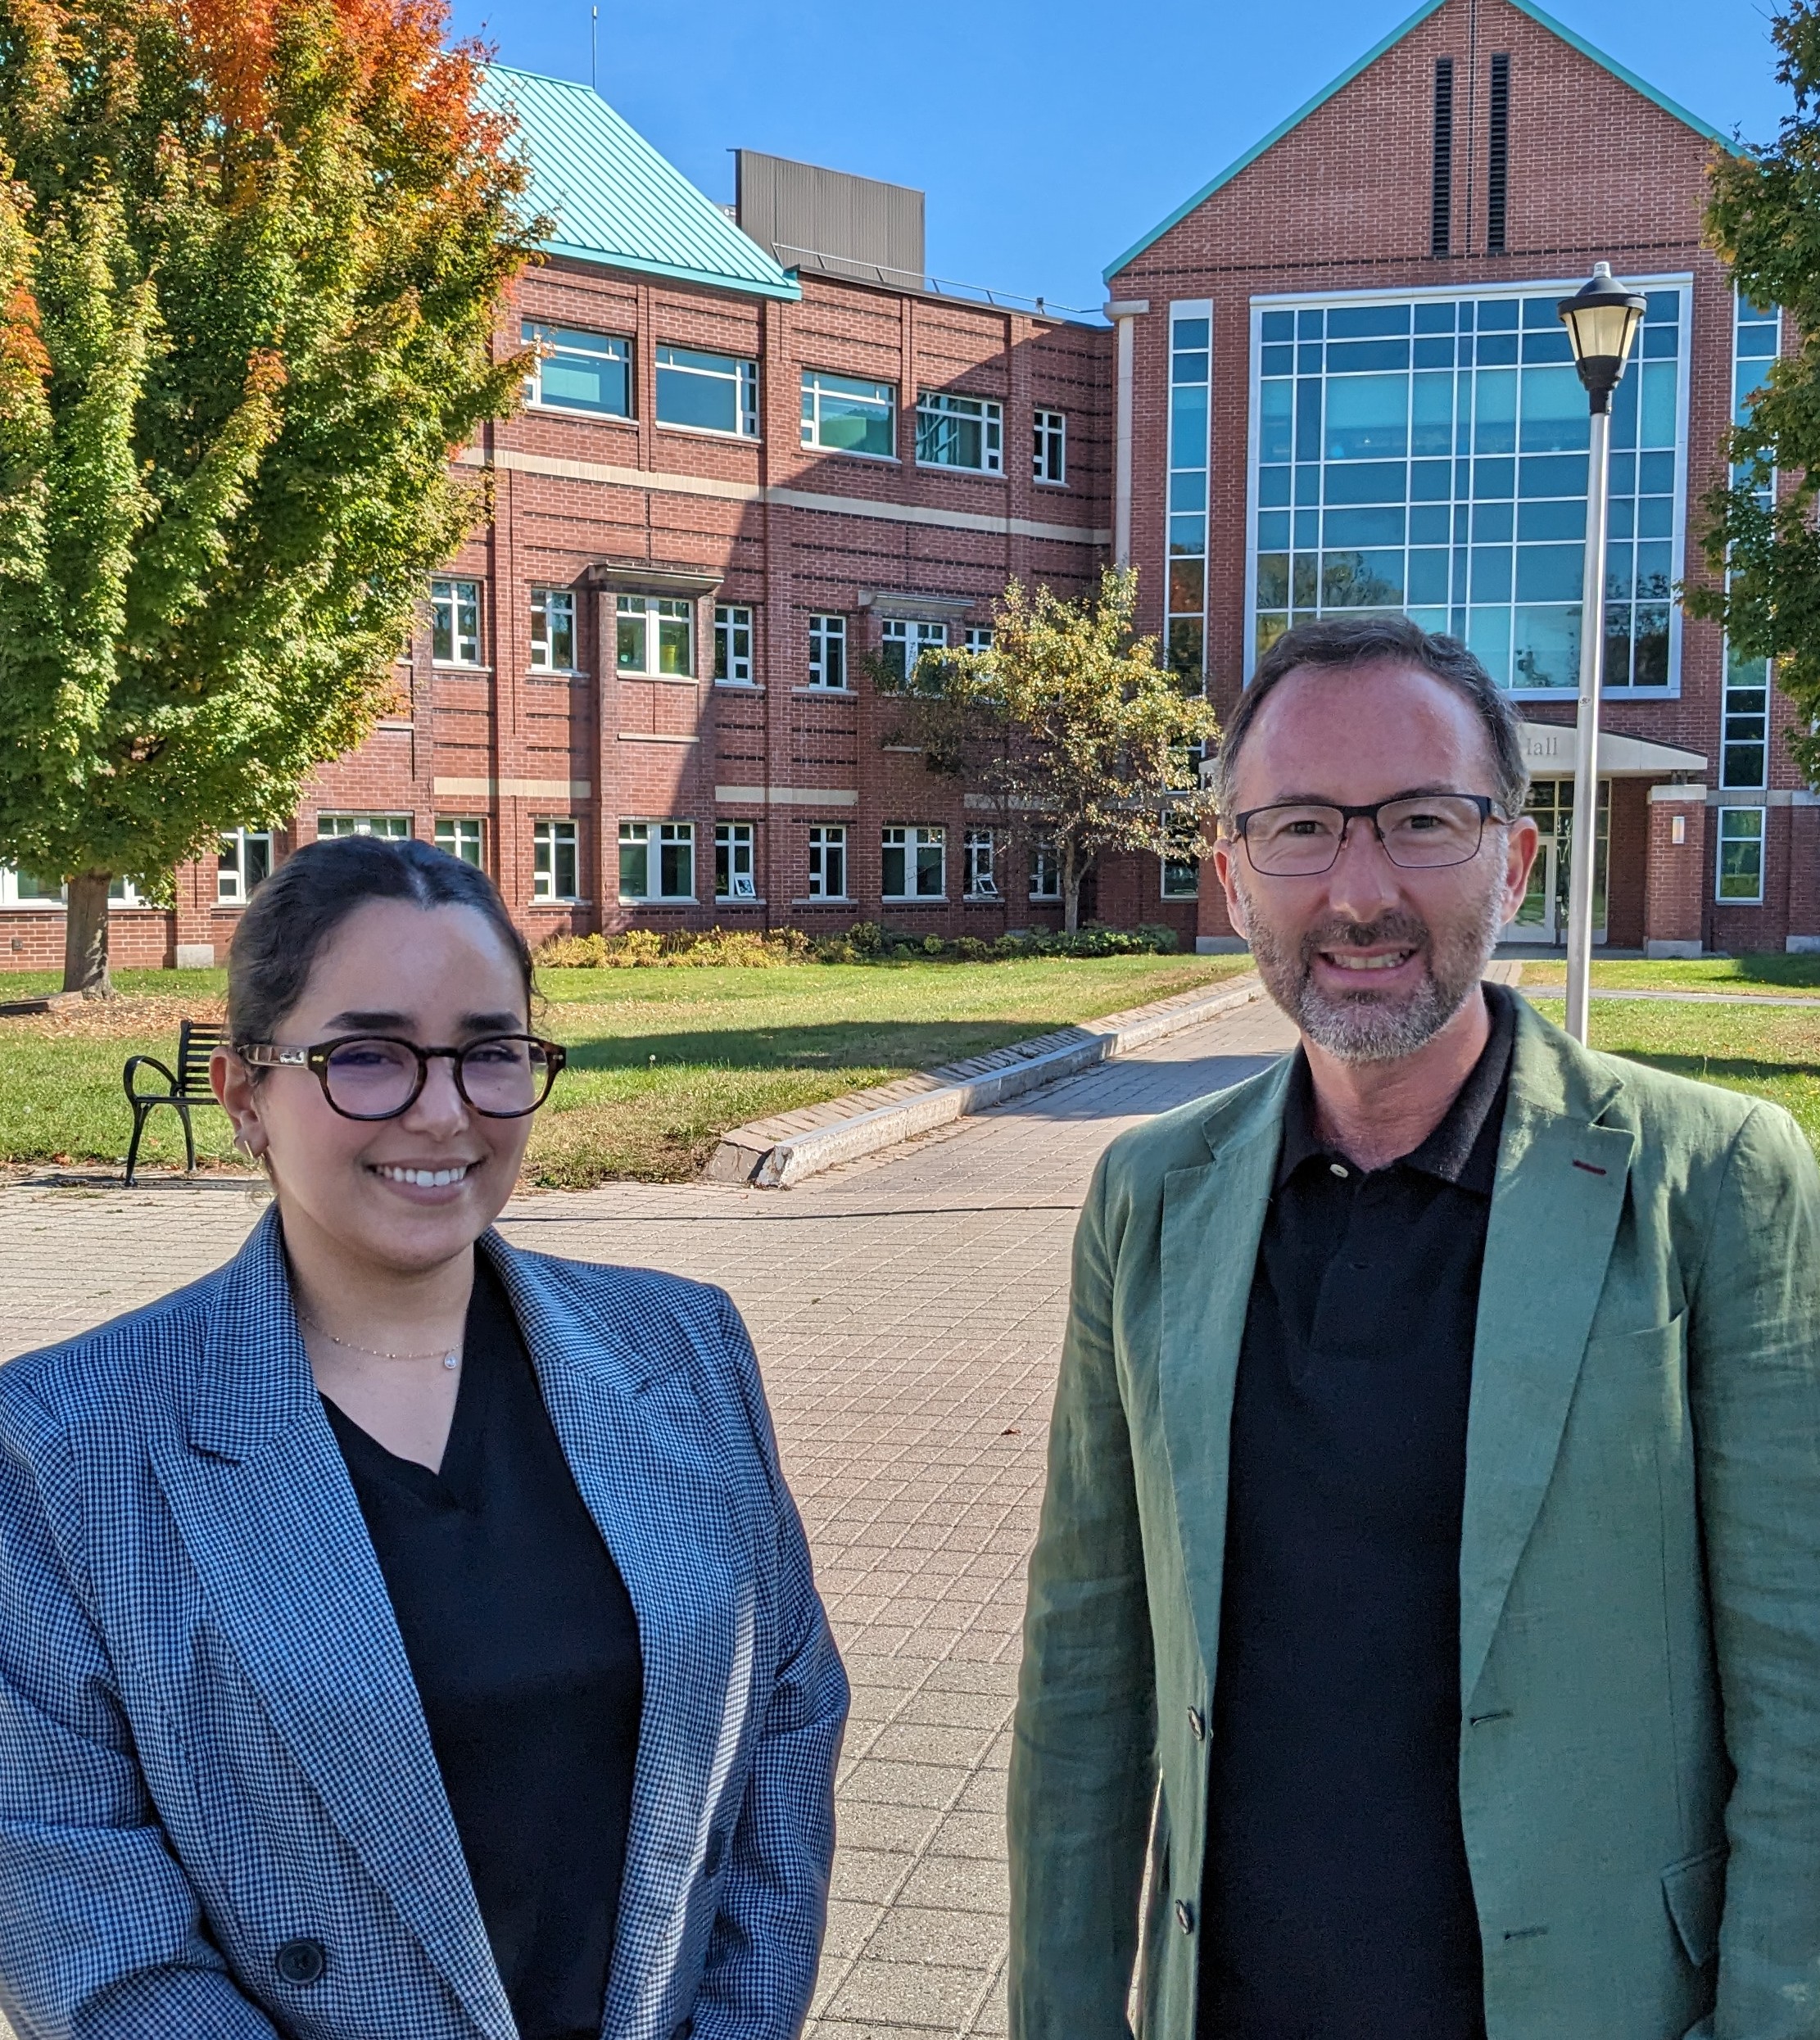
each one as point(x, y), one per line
point(1601, 319)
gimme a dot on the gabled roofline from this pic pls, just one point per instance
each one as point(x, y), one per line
point(1536, 14)
point(789, 290)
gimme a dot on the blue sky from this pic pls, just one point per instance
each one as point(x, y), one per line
point(1049, 134)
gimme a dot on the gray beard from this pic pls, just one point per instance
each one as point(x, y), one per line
point(1360, 1026)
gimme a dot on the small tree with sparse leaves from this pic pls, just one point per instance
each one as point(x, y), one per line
point(1066, 731)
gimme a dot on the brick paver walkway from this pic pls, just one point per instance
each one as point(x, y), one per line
point(907, 1310)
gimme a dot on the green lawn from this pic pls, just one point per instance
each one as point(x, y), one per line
point(1772, 972)
point(1771, 1051)
point(662, 1061)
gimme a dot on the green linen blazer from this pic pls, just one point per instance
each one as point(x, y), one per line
point(1639, 1567)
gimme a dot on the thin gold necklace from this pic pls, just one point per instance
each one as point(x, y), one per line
point(374, 1352)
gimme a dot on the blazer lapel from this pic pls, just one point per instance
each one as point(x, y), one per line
point(631, 1432)
point(262, 1499)
point(1561, 1184)
point(1212, 1218)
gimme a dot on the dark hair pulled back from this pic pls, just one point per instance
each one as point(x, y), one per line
point(299, 907)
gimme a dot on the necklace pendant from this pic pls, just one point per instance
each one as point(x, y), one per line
point(451, 1359)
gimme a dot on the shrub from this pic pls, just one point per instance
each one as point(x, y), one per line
point(866, 942)
point(970, 949)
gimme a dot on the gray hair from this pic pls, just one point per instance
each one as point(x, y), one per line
point(1340, 643)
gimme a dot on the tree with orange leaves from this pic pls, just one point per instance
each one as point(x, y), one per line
point(251, 253)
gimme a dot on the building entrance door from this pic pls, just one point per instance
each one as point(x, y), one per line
point(1542, 917)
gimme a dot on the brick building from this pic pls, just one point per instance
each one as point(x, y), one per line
point(753, 463)
point(1349, 389)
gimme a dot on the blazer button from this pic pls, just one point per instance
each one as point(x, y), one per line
point(1197, 1723)
point(711, 1855)
point(303, 1961)
point(1184, 1915)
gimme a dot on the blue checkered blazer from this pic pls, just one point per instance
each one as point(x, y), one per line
point(211, 1743)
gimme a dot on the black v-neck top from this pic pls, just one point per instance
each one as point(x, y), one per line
point(524, 1646)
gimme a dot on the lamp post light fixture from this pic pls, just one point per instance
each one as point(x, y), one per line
point(1601, 319)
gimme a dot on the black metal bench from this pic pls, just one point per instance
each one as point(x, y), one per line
point(196, 1041)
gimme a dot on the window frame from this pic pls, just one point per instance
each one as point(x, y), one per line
point(1759, 841)
point(635, 832)
point(980, 849)
point(826, 839)
point(653, 613)
point(542, 598)
point(956, 409)
point(1166, 865)
point(730, 838)
point(530, 333)
point(241, 892)
point(1049, 448)
point(738, 370)
point(828, 635)
point(457, 826)
point(913, 634)
point(728, 658)
point(363, 825)
point(912, 839)
point(122, 894)
point(453, 601)
point(1045, 872)
point(886, 397)
point(554, 835)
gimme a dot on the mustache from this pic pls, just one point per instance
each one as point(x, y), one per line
point(1407, 930)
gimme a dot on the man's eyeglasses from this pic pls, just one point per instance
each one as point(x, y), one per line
point(379, 1076)
point(1421, 832)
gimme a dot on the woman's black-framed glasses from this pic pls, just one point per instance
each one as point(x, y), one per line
point(379, 1076)
point(1418, 832)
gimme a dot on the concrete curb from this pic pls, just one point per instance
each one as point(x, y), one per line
point(774, 1155)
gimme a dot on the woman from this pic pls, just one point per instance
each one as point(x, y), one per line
point(400, 1640)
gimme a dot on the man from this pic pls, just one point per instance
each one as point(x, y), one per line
point(1425, 1615)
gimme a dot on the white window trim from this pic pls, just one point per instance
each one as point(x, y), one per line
point(739, 362)
point(1282, 301)
point(732, 831)
point(477, 664)
point(574, 628)
point(750, 683)
point(242, 892)
point(553, 897)
point(534, 399)
point(479, 822)
point(1735, 899)
point(653, 861)
point(819, 445)
point(913, 833)
point(653, 617)
point(992, 414)
point(838, 633)
point(990, 892)
point(1162, 878)
point(915, 638)
point(844, 896)
point(129, 901)
point(1047, 480)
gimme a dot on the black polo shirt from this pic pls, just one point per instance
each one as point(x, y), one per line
point(1337, 1903)
point(524, 1645)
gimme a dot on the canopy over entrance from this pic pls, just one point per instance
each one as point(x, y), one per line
point(1548, 751)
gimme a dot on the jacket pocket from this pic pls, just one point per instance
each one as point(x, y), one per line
point(1694, 1888)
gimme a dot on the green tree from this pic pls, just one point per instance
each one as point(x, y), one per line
point(1763, 220)
point(251, 252)
point(1066, 730)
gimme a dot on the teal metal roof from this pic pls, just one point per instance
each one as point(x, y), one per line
point(614, 200)
point(1371, 55)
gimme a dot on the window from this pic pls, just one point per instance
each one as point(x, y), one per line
point(902, 644)
point(827, 860)
point(463, 836)
point(979, 637)
point(982, 881)
point(553, 630)
point(1181, 878)
point(394, 827)
point(1429, 456)
point(28, 889)
point(1045, 871)
point(915, 864)
point(828, 651)
point(577, 371)
point(246, 859)
point(733, 864)
point(669, 874)
point(1049, 455)
point(554, 864)
point(1190, 370)
point(1741, 857)
point(844, 416)
point(454, 623)
point(656, 635)
point(706, 392)
point(732, 644)
point(960, 432)
point(1743, 750)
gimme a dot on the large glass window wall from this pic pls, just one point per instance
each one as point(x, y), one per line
point(1190, 362)
point(1429, 456)
point(1744, 751)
